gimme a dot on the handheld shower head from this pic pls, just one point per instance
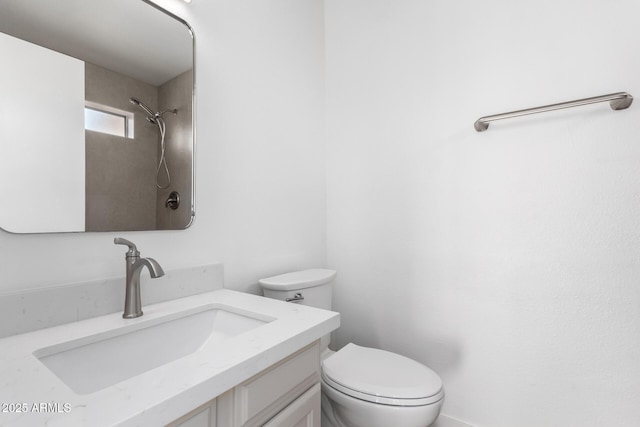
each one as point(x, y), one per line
point(156, 119)
point(136, 101)
point(152, 116)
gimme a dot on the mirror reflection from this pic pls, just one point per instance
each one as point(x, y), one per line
point(96, 118)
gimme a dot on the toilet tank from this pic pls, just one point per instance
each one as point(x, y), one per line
point(311, 287)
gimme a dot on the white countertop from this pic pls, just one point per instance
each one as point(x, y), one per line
point(163, 394)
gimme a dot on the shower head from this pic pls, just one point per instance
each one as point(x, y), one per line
point(152, 116)
point(136, 101)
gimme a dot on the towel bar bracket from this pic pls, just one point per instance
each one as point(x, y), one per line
point(622, 103)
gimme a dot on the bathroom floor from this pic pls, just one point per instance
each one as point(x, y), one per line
point(444, 421)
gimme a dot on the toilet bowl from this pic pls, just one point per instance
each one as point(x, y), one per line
point(361, 386)
point(367, 387)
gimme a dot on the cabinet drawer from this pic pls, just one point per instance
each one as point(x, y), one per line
point(267, 393)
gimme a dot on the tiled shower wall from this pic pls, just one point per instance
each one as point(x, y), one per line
point(177, 93)
point(120, 172)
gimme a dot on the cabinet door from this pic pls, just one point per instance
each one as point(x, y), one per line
point(201, 417)
point(302, 412)
point(261, 397)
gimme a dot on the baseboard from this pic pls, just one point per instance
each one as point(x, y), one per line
point(447, 421)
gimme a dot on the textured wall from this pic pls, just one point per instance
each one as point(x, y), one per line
point(176, 93)
point(508, 261)
point(120, 172)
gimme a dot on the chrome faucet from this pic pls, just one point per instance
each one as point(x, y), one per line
point(132, 302)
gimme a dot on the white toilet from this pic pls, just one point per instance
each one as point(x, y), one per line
point(361, 386)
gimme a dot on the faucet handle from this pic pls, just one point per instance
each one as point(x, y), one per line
point(132, 252)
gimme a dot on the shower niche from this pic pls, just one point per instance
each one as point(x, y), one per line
point(96, 126)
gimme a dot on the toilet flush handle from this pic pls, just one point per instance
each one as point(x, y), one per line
point(296, 297)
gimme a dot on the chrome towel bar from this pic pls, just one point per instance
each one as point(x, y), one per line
point(617, 101)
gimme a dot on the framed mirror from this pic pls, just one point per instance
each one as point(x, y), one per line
point(96, 117)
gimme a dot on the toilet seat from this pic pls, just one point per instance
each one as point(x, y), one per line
point(381, 377)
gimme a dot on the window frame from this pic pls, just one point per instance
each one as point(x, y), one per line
point(128, 118)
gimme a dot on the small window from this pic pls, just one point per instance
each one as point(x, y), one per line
point(105, 119)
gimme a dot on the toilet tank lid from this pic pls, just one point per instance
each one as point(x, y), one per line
point(298, 279)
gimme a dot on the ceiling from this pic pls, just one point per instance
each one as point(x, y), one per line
point(130, 37)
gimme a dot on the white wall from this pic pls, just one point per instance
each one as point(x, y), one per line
point(38, 192)
point(508, 261)
point(260, 180)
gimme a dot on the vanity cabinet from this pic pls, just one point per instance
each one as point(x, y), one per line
point(286, 394)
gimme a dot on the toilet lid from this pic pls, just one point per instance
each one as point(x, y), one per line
point(298, 279)
point(381, 376)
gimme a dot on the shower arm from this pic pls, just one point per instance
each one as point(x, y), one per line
point(173, 111)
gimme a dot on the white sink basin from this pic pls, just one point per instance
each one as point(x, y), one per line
point(97, 361)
